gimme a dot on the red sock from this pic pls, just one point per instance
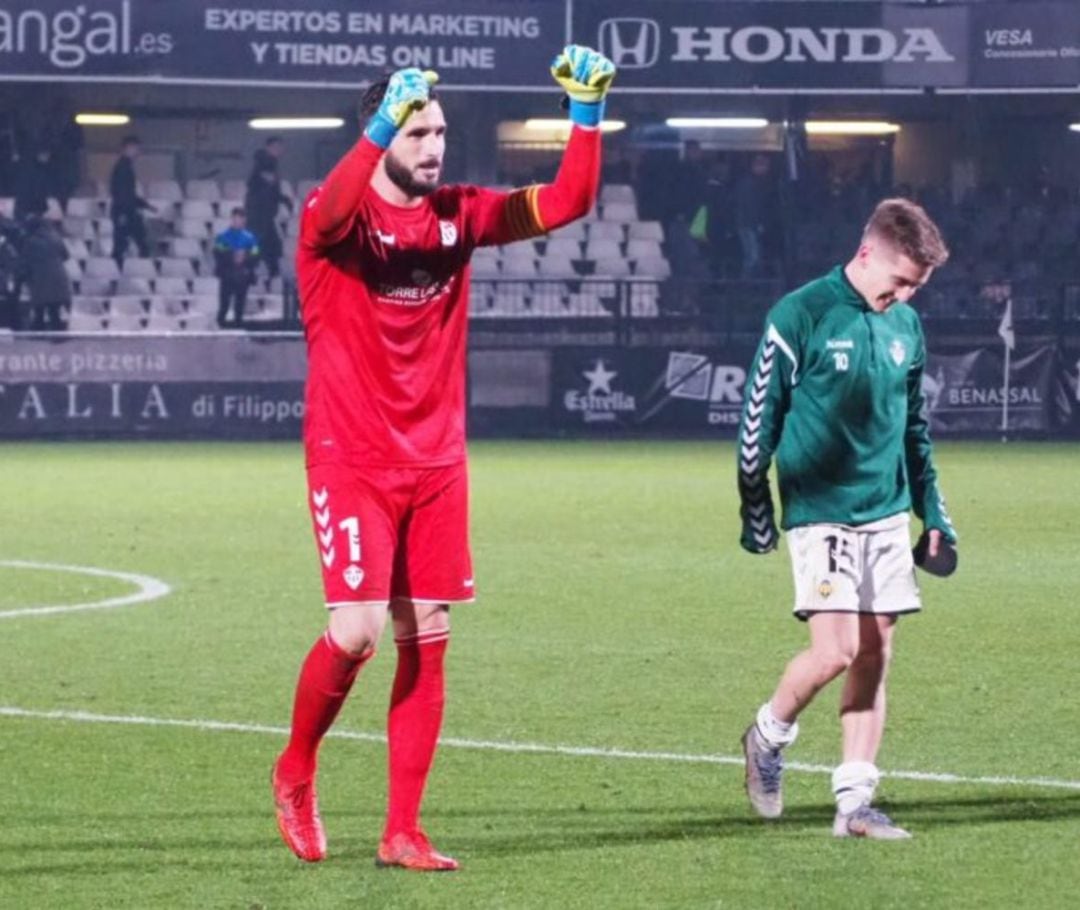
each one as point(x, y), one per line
point(416, 710)
point(325, 679)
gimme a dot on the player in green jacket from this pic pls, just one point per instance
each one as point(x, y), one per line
point(835, 398)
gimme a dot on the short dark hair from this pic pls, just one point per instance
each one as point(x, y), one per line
point(374, 94)
point(270, 140)
point(130, 140)
point(905, 225)
point(238, 210)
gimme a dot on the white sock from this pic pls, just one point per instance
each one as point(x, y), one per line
point(777, 733)
point(853, 784)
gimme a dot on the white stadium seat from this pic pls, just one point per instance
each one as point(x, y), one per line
point(563, 246)
point(172, 284)
point(612, 267)
point(646, 230)
point(620, 212)
point(203, 189)
point(617, 192)
point(199, 209)
point(165, 190)
point(603, 230)
point(575, 230)
point(234, 189)
point(206, 284)
point(657, 267)
point(135, 267)
point(602, 249)
point(555, 266)
point(177, 268)
point(136, 286)
point(102, 267)
point(643, 249)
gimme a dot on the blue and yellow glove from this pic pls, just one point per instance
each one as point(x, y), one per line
point(586, 76)
point(408, 91)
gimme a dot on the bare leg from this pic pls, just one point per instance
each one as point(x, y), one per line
point(862, 704)
point(834, 642)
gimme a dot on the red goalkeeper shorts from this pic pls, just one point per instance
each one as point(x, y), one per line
point(387, 533)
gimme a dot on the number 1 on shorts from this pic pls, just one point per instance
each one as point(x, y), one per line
point(351, 526)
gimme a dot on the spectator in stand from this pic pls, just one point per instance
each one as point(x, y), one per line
point(753, 194)
point(127, 204)
point(12, 272)
point(236, 253)
point(43, 253)
point(692, 179)
point(66, 141)
point(264, 199)
point(33, 182)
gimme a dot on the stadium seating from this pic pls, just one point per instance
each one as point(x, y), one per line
point(176, 289)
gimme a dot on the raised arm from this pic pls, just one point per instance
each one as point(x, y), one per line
point(333, 209)
point(505, 217)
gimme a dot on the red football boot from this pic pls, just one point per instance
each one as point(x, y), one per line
point(412, 850)
point(298, 818)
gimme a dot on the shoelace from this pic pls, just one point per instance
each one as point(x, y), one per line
point(872, 816)
point(770, 764)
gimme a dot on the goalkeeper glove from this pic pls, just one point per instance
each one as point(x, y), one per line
point(586, 76)
point(408, 91)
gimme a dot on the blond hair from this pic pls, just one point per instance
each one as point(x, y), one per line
point(905, 225)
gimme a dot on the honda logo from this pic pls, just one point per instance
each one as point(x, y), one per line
point(630, 43)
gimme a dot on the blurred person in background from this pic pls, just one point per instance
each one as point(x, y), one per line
point(753, 204)
point(264, 200)
point(11, 272)
point(236, 253)
point(33, 182)
point(43, 255)
point(127, 204)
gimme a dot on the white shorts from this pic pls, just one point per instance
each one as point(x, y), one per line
point(864, 569)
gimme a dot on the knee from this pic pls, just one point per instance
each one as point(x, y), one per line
point(876, 654)
point(357, 629)
point(835, 658)
point(419, 619)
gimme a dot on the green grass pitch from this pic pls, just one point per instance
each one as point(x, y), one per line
point(616, 611)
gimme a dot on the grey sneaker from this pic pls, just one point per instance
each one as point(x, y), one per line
point(866, 821)
point(764, 768)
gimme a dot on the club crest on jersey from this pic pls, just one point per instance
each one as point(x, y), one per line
point(825, 590)
point(897, 351)
point(353, 576)
point(448, 232)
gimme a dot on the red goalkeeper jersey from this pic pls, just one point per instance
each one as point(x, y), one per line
point(385, 312)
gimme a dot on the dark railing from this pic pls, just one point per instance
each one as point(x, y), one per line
point(641, 311)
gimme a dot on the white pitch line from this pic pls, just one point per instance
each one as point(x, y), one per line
point(148, 589)
point(220, 726)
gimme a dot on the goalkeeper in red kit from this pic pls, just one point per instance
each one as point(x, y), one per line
point(383, 272)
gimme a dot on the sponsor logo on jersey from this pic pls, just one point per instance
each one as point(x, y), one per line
point(448, 232)
point(353, 576)
point(695, 378)
point(386, 239)
point(601, 402)
point(423, 290)
point(897, 351)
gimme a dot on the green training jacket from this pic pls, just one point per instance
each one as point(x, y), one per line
point(835, 398)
